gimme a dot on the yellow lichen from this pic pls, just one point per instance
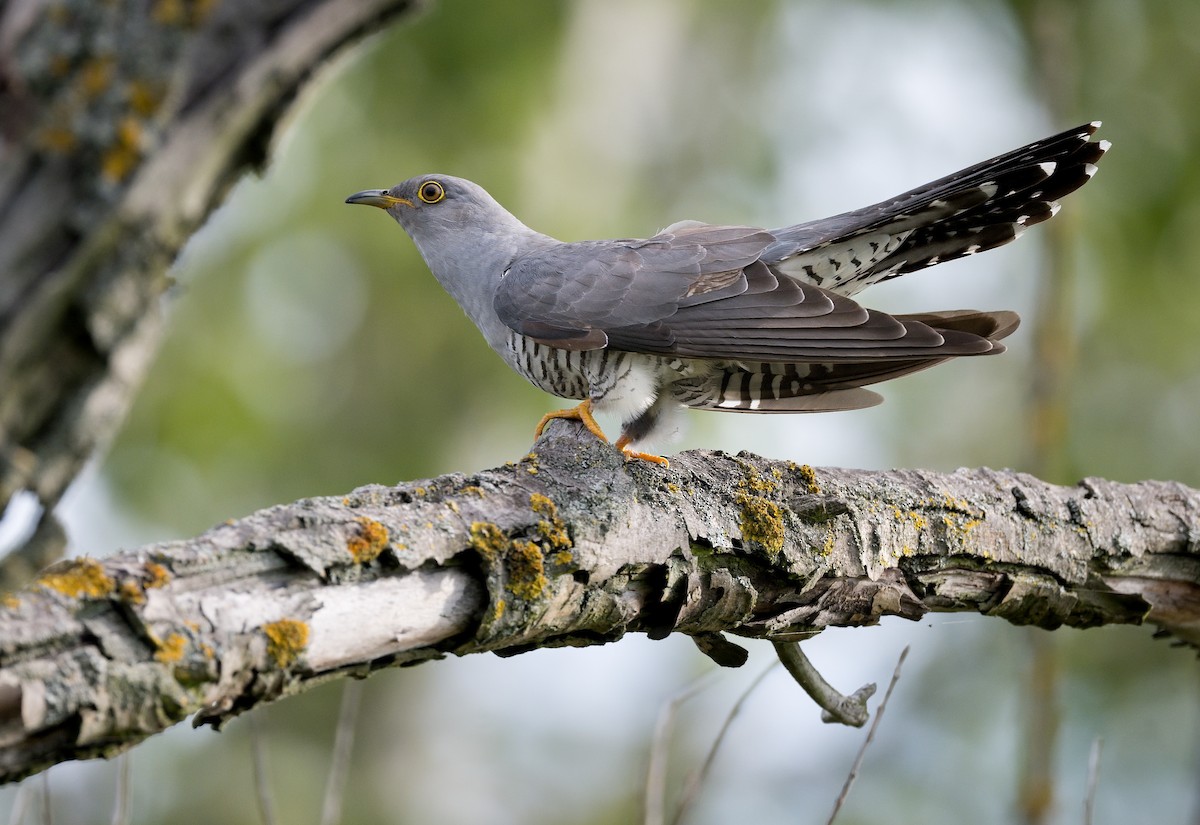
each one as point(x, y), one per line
point(286, 640)
point(809, 477)
point(170, 649)
point(9, 602)
point(144, 97)
point(522, 559)
point(761, 518)
point(473, 490)
point(120, 158)
point(56, 139)
point(80, 577)
point(131, 592)
point(829, 544)
point(157, 575)
point(96, 75)
point(551, 527)
point(488, 540)
point(368, 542)
point(762, 522)
point(526, 570)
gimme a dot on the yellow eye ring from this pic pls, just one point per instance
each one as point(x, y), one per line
point(431, 192)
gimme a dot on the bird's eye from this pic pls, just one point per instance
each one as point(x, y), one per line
point(431, 192)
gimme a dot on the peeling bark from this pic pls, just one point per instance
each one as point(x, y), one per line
point(569, 546)
point(110, 157)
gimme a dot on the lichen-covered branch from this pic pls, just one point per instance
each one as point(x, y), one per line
point(122, 124)
point(569, 546)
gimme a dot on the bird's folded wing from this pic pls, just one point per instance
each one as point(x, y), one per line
point(701, 291)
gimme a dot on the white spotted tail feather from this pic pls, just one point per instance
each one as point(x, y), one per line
point(973, 210)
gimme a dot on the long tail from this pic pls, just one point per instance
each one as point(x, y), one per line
point(975, 209)
point(761, 387)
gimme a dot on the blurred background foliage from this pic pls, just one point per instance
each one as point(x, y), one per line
point(311, 352)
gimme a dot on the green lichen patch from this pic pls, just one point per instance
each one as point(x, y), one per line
point(286, 640)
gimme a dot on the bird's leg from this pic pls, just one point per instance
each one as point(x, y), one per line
point(637, 429)
point(580, 412)
point(623, 443)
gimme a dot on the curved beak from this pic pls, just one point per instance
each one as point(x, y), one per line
point(377, 197)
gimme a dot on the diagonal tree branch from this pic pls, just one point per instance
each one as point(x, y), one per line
point(110, 157)
point(569, 546)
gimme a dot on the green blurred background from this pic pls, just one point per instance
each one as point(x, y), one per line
point(309, 347)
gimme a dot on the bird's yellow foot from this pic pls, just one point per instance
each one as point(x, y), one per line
point(623, 445)
point(580, 412)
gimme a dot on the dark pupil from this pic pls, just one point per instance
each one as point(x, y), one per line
point(431, 191)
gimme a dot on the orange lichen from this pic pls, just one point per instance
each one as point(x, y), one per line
point(170, 649)
point(168, 12)
point(96, 75)
point(488, 540)
point(144, 97)
point(286, 640)
point(120, 158)
point(370, 540)
point(157, 575)
point(56, 139)
point(131, 592)
point(79, 577)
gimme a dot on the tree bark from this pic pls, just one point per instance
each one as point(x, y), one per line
point(122, 124)
point(569, 546)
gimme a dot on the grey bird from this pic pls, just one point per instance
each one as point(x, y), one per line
point(732, 318)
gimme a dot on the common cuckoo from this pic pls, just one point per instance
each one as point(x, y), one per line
point(731, 318)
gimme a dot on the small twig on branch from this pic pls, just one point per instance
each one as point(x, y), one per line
point(121, 806)
point(262, 774)
point(343, 745)
point(1093, 780)
point(836, 707)
point(862, 751)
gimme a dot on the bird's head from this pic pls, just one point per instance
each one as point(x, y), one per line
point(432, 208)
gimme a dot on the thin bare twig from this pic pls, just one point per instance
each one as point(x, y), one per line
point(343, 744)
point(1093, 780)
point(696, 780)
point(121, 803)
point(20, 803)
point(47, 813)
point(262, 782)
point(836, 707)
point(862, 751)
point(656, 773)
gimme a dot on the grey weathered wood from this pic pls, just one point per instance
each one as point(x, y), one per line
point(111, 155)
point(569, 546)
